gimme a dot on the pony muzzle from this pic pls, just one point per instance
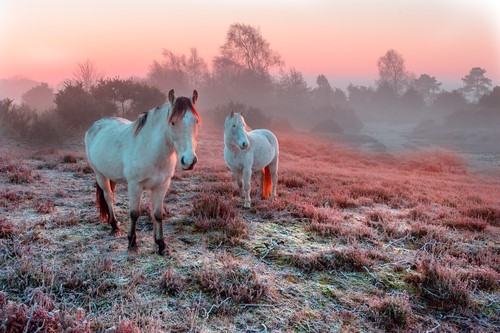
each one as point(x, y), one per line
point(244, 145)
point(187, 164)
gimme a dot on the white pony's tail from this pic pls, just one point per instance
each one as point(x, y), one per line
point(267, 183)
point(101, 203)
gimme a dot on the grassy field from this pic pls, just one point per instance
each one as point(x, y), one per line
point(355, 242)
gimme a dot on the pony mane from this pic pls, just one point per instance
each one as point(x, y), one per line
point(141, 120)
point(181, 105)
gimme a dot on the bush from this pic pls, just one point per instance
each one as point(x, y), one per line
point(391, 313)
point(254, 117)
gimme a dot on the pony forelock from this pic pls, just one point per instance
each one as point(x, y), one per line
point(180, 107)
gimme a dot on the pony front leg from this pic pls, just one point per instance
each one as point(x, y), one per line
point(134, 194)
point(158, 195)
point(247, 176)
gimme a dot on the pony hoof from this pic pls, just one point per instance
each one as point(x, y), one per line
point(116, 232)
point(132, 250)
point(161, 248)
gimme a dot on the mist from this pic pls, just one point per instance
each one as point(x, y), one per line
point(395, 113)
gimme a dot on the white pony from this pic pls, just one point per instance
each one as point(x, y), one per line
point(248, 152)
point(142, 153)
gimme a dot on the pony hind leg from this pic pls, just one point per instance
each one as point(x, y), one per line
point(105, 198)
point(273, 168)
point(157, 197)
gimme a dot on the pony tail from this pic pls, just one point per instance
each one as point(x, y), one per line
point(266, 182)
point(100, 201)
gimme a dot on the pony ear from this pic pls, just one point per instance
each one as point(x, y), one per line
point(232, 113)
point(195, 97)
point(171, 96)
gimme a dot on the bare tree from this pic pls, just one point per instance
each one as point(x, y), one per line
point(392, 71)
point(196, 69)
point(245, 50)
point(170, 72)
point(476, 84)
point(87, 73)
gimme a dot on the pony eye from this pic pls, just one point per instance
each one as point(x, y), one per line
point(173, 123)
point(234, 126)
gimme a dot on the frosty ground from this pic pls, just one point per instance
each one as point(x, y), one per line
point(354, 242)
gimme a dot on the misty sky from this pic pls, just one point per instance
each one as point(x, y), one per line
point(43, 40)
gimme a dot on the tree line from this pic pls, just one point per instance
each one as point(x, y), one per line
point(240, 78)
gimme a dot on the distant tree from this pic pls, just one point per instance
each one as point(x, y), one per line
point(17, 119)
point(359, 96)
point(427, 86)
point(384, 98)
point(323, 92)
point(87, 73)
point(254, 117)
point(170, 73)
point(129, 97)
point(292, 84)
point(412, 100)
point(449, 101)
point(325, 95)
point(40, 97)
point(392, 71)
point(196, 69)
point(476, 84)
point(77, 107)
point(492, 99)
point(245, 50)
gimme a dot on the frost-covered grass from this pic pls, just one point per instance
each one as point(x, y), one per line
point(354, 242)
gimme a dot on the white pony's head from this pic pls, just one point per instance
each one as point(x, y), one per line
point(183, 121)
point(234, 131)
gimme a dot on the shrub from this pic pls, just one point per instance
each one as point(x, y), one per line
point(69, 159)
point(172, 282)
point(391, 313)
point(216, 214)
point(233, 281)
point(440, 285)
point(346, 259)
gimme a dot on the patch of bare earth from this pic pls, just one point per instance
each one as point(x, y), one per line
point(353, 243)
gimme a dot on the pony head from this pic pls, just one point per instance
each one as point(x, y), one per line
point(234, 130)
point(183, 121)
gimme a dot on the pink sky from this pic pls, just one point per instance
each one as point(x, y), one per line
point(44, 40)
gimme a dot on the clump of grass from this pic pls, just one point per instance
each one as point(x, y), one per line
point(344, 201)
point(40, 314)
point(482, 278)
point(172, 283)
point(348, 259)
point(7, 229)
point(466, 223)
point(308, 211)
point(232, 283)
point(378, 194)
point(21, 176)
point(419, 213)
point(392, 313)
point(338, 226)
point(291, 181)
point(216, 214)
point(69, 158)
point(45, 206)
point(441, 286)
point(485, 213)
